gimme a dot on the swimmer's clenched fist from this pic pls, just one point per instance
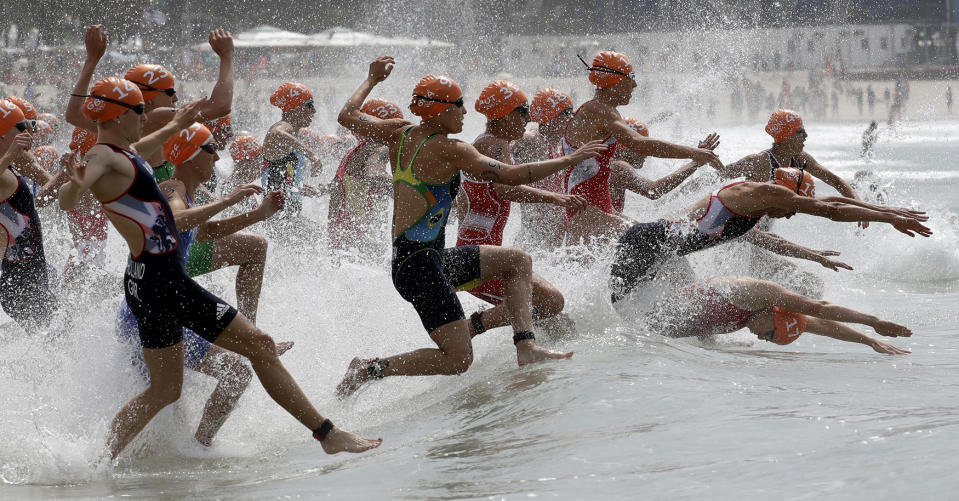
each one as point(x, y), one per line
point(381, 68)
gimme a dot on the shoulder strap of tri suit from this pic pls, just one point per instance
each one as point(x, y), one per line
point(419, 147)
point(399, 151)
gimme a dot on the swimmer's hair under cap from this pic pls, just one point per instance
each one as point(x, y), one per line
point(289, 95)
point(382, 109)
point(151, 79)
point(782, 124)
point(637, 126)
point(548, 104)
point(499, 99)
point(113, 88)
point(82, 140)
point(29, 112)
point(609, 68)
point(186, 144)
point(245, 148)
point(789, 325)
point(798, 181)
point(433, 95)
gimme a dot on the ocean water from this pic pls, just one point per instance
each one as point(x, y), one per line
point(632, 415)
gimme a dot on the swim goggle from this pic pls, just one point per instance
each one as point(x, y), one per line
point(209, 148)
point(309, 104)
point(524, 111)
point(138, 108)
point(170, 92)
point(459, 102)
point(22, 126)
point(604, 69)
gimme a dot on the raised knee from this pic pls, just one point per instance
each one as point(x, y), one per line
point(521, 261)
point(553, 305)
point(263, 348)
point(165, 395)
point(460, 364)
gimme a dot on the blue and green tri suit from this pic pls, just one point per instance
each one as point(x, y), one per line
point(425, 273)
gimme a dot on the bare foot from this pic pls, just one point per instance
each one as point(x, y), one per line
point(283, 347)
point(356, 375)
point(343, 441)
point(528, 352)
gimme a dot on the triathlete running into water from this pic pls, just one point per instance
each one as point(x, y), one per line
point(598, 119)
point(543, 225)
point(426, 167)
point(483, 208)
point(727, 304)
point(25, 289)
point(361, 187)
point(285, 157)
point(735, 209)
point(192, 153)
point(156, 286)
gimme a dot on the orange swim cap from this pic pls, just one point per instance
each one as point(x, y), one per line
point(499, 99)
point(610, 68)
point(152, 80)
point(548, 104)
point(82, 140)
point(796, 180)
point(290, 95)
point(29, 112)
point(433, 95)
point(789, 325)
point(110, 98)
point(42, 129)
point(10, 116)
point(381, 108)
point(186, 144)
point(782, 124)
point(245, 148)
point(46, 156)
point(637, 126)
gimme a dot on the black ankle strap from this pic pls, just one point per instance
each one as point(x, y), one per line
point(324, 430)
point(476, 320)
point(375, 367)
point(522, 336)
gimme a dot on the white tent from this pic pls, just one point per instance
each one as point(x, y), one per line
point(266, 36)
point(270, 36)
point(345, 37)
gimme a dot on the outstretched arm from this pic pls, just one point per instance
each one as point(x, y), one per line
point(530, 195)
point(763, 294)
point(365, 125)
point(843, 332)
point(771, 195)
point(187, 218)
point(649, 147)
point(480, 166)
point(775, 243)
point(213, 230)
point(96, 43)
point(816, 169)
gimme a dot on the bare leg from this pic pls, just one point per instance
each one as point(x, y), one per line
point(548, 303)
point(243, 338)
point(515, 267)
point(234, 376)
point(165, 366)
point(453, 355)
point(248, 251)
